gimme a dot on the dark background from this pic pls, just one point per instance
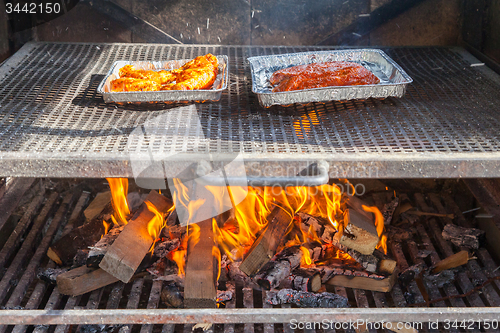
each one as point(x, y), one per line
point(471, 23)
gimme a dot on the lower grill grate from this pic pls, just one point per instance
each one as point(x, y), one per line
point(51, 211)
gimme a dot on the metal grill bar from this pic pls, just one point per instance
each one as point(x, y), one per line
point(244, 316)
point(53, 122)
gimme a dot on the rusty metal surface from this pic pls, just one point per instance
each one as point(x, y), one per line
point(54, 123)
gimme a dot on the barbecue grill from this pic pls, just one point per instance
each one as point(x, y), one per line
point(55, 124)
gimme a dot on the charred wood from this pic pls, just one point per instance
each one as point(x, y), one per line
point(50, 275)
point(303, 279)
point(163, 248)
point(64, 250)
point(467, 237)
point(440, 279)
point(321, 226)
point(172, 219)
point(397, 234)
point(276, 270)
point(410, 274)
point(352, 277)
point(388, 210)
point(235, 274)
point(97, 252)
point(306, 299)
point(172, 296)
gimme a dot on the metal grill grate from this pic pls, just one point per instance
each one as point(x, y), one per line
point(49, 213)
point(54, 124)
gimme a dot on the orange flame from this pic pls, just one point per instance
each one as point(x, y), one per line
point(216, 254)
point(106, 227)
point(252, 212)
point(379, 224)
point(250, 217)
point(179, 257)
point(155, 224)
point(191, 237)
point(306, 257)
point(119, 189)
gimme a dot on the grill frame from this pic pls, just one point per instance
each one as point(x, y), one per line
point(449, 136)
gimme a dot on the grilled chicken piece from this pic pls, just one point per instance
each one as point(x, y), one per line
point(324, 74)
point(133, 84)
point(161, 77)
point(199, 73)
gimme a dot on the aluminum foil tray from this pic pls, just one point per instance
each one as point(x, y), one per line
point(205, 95)
point(393, 79)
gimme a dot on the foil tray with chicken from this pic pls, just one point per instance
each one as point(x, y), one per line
point(200, 79)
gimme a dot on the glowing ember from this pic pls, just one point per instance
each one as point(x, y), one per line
point(119, 189)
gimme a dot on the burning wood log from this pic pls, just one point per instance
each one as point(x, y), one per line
point(460, 236)
point(265, 246)
point(359, 233)
point(64, 250)
point(97, 252)
point(377, 262)
point(303, 279)
point(306, 299)
point(322, 227)
point(134, 242)
point(455, 260)
point(276, 270)
point(82, 280)
point(201, 269)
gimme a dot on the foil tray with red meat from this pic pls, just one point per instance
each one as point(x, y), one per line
point(200, 95)
point(323, 76)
